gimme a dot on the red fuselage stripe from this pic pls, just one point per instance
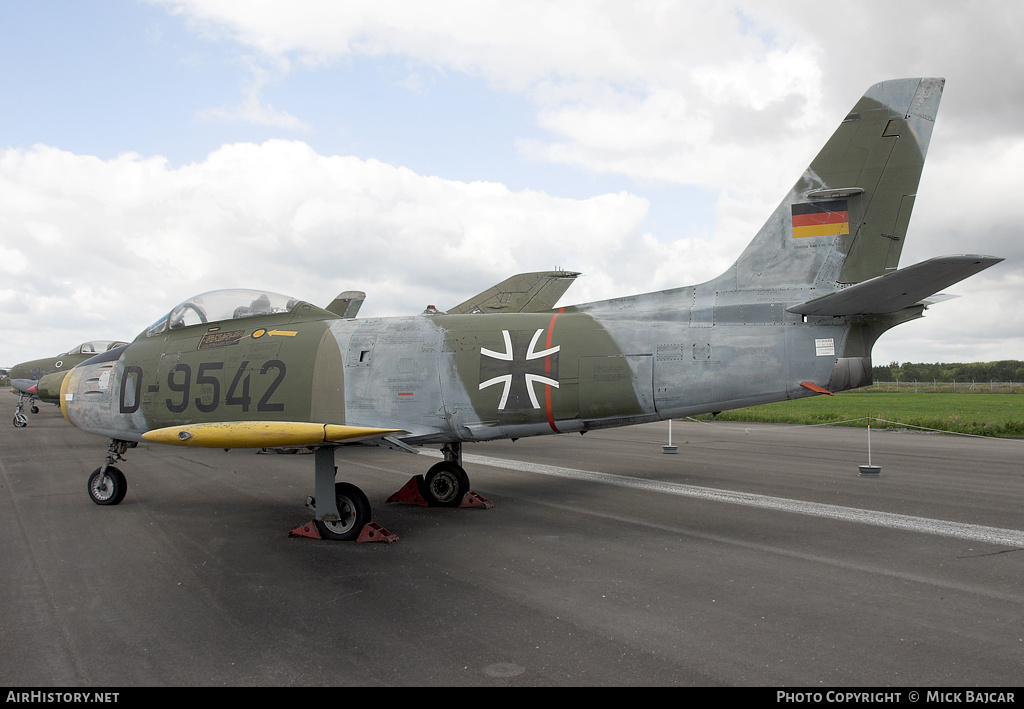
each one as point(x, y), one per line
point(547, 371)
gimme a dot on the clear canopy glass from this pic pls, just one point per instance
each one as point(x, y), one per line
point(223, 305)
point(95, 347)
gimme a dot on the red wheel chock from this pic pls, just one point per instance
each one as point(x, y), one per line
point(473, 500)
point(410, 494)
point(372, 532)
point(307, 530)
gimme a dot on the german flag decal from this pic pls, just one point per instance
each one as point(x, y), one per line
point(828, 218)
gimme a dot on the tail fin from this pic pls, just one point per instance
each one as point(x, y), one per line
point(845, 219)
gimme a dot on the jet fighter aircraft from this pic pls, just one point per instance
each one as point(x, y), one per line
point(796, 315)
point(25, 376)
point(524, 292)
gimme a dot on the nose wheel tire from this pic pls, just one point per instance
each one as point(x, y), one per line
point(354, 510)
point(107, 488)
point(445, 484)
point(20, 420)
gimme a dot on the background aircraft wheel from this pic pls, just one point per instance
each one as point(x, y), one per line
point(34, 409)
point(20, 420)
point(354, 508)
point(109, 488)
point(445, 485)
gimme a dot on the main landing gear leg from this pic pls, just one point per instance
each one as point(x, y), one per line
point(343, 513)
point(452, 453)
point(107, 484)
point(446, 484)
point(20, 419)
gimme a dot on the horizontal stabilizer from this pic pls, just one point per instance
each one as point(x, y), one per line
point(262, 434)
point(897, 290)
point(523, 293)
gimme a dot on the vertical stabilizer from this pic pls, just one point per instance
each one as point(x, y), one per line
point(846, 218)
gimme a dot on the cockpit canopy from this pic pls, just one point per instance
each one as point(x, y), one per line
point(223, 305)
point(95, 347)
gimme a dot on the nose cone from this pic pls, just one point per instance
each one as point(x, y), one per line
point(22, 383)
point(18, 371)
point(26, 375)
point(88, 396)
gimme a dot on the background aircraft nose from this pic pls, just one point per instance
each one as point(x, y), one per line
point(48, 388)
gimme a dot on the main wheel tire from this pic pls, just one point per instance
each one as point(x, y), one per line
point(34, 409)
point(354, 509)
point(20, 420)
point(107, 488)
point(445, 484)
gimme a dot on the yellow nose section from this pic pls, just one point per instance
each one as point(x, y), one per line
point(64, 385)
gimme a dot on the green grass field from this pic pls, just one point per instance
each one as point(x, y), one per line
point(978, 414)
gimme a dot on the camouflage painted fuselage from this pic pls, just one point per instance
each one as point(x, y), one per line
point(466, 377)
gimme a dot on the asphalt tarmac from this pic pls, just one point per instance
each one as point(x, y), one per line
point(755, 556)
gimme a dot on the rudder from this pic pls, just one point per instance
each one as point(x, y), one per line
point(846, 218)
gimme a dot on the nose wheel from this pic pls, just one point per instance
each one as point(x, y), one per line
point(107, 484)
point(20, 419)
point(107, 487)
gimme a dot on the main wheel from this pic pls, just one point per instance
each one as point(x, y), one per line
point(107, 488)
point(20, 420)
point(34, 409)
point(445, 484)
point(354, 509)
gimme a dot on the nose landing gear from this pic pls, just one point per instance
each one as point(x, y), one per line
point(107, 484)
point(20, 419)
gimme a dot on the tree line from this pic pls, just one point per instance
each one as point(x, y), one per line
point(1005, 371)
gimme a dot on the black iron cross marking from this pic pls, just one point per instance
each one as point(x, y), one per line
point(519, 358)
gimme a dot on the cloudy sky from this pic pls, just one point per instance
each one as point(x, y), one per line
point(422, 151)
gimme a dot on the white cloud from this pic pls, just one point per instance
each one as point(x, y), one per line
point(101, 248)
point(514, 45)
point(639, 89)
point(733, 98)
point(253, 108)
point(717, 56)
point(981, 326)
